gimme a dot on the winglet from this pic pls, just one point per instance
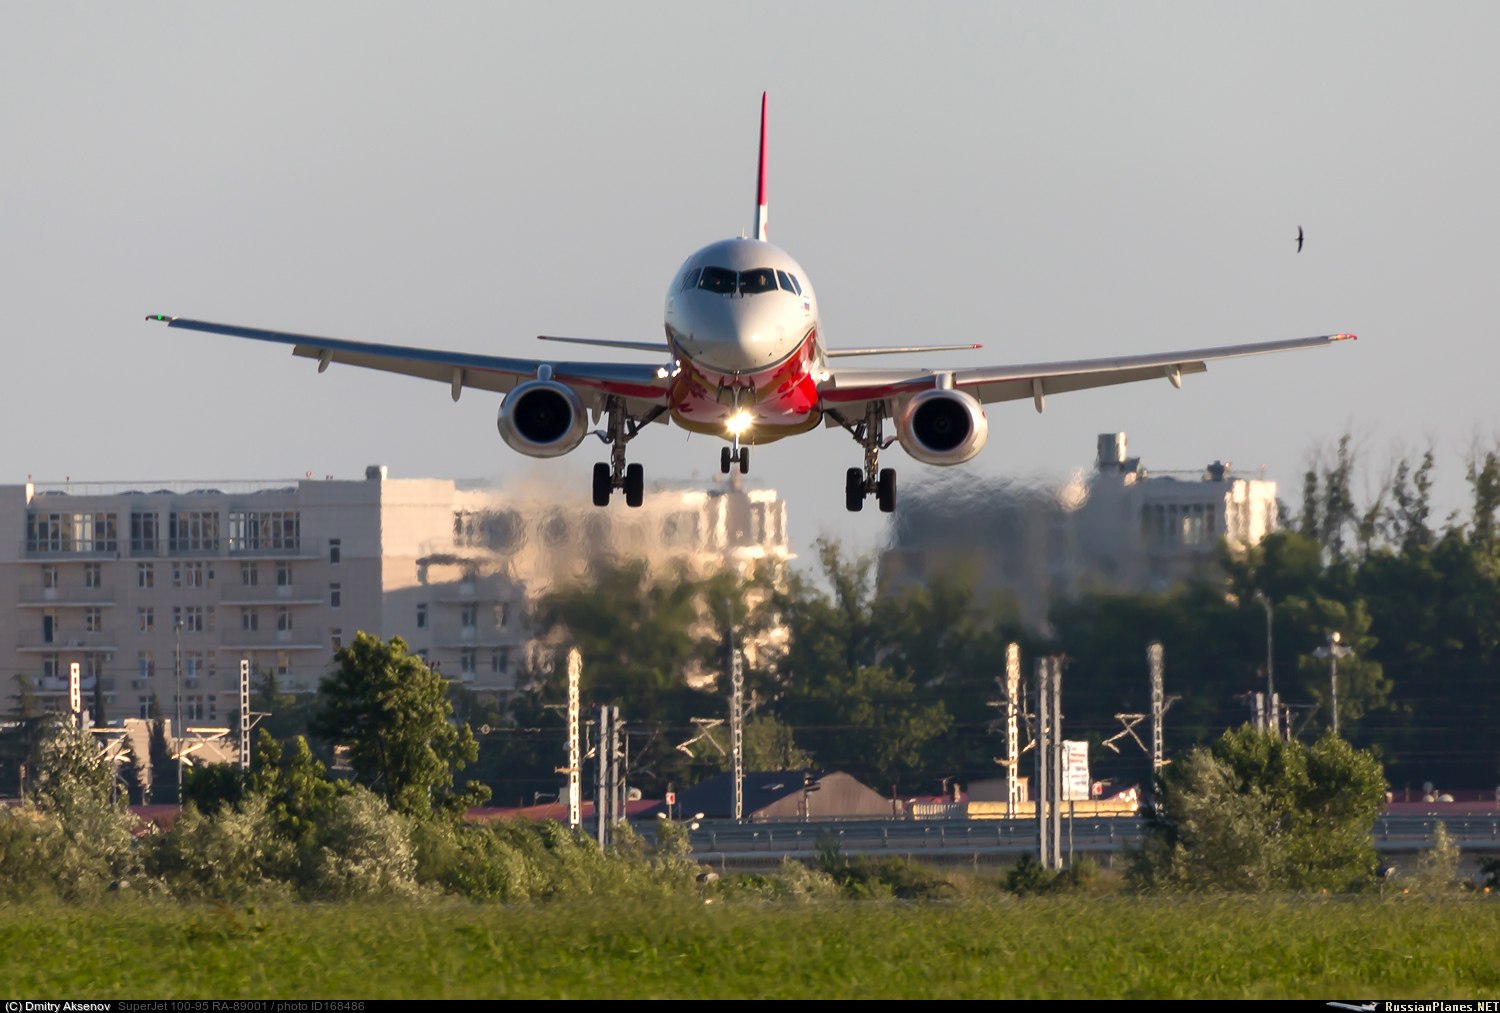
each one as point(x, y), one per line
point(760, 182)
point(161, 316)
point(1344, 337)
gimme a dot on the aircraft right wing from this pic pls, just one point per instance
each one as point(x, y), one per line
point(848, 391)
point(642, 385)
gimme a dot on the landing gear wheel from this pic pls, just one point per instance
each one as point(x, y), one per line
point(724, 460)
point(635, 485)
point(885, 491)
point(744, 460)
point(601, 484)
point(854, 490)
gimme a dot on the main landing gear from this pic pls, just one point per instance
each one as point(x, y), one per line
point(872, 480)
point(621, 428)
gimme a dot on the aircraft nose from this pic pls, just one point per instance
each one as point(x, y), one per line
point(740, 333)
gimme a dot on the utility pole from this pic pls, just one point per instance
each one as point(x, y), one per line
point(603, 786)
point(1049, 761)
point(177, 729)
point(75, 696)
point(1012, 733)
point(244, 714)
point(737, 724)
point(1054, 837)
point(1275, 723)
point(1159, 705)
point(1041, 795)
point(1333, 651)
point(575, 761)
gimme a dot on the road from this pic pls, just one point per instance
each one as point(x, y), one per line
point(724, 844)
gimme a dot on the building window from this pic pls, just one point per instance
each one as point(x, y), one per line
point(283, 574)
point(144, 535)
point(143, 707)
point(93, 619)
point(51, 668)
point(193, 531)
point(249, 620)
point(335, 551)
point(421, 617)
point(192, 665)
point(213, 708)
point(192, 575)
point(502, 615)
point(264, 530)
point(50, 578)
point(145, 620)
point(192, 708)
point(335, 595)
point(283, 663)
point(71, 532)
point(93, 575)
point(93, 666)
point(249, 574)
point(284, 619)
point(466, 661)
point(336, 640)
point(145, 575)
point(500, 660)
point(189, 618)
point(469, 617)
point(145, 664)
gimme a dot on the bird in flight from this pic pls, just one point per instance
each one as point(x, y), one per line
point(1299, 239)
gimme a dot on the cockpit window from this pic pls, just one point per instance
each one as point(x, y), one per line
point(757, 280)
point(691, 279)
point(718, 279)
point(786, 282)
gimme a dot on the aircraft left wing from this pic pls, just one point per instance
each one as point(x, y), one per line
point(847, 392)
point(641, 384)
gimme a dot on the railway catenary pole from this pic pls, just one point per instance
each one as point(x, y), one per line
point(1043, 750)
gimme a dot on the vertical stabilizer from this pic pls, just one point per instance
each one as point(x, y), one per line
point(760, 181)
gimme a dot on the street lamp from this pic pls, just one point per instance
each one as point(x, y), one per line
point(1265, 603)
point(1333, 651)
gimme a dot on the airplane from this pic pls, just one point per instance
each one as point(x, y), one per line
point(745, 361)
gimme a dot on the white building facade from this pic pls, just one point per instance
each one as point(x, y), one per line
point(154, 585)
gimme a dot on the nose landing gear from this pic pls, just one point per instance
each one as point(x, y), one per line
point(739, 455)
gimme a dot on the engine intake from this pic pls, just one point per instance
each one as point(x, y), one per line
point(942, 426)
point(543, 418)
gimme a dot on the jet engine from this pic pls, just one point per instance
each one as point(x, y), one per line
point(543, 418)
point(942, 426)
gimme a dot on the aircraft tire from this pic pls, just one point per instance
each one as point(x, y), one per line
point(854, 490)
point(724, 460)
point(885, 490)
point(744, 460)
point(601, 484)
point(635, 485)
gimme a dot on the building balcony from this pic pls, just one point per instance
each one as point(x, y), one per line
point(69, 642)
point(37, 596)
point(271, 594)
point(269, 640)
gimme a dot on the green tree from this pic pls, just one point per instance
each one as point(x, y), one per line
point(1252, 812)
point(392, 712)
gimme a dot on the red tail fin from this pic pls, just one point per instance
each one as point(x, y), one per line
point(760, 185)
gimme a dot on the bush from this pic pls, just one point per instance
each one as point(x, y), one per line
point(364, 850)
point(233, 853)
point(1251, 813)
point(1437, 867)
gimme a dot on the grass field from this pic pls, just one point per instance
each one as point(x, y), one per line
point(1045, 947)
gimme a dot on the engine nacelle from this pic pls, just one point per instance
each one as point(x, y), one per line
point(543, 418)
point(942, 426)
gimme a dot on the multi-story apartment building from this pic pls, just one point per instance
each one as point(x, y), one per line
point(151, 585)
point(1121, 528)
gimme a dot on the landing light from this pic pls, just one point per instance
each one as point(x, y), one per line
point(738, 422)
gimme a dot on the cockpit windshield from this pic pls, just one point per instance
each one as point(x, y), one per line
point(751, 282)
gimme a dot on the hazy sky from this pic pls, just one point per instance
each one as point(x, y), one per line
point(1053, 180)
